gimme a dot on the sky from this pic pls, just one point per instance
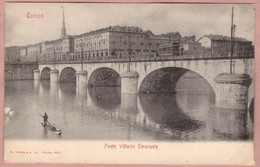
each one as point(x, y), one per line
point(187, 19)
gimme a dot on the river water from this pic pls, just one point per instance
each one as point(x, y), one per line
point(103, 113)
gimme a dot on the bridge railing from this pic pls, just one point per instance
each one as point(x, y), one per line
point(155, 57)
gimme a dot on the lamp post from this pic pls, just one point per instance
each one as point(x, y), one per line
point(233, 27)
point(129, 53)
point(229, 85)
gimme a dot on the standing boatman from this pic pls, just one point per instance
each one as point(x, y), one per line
point(45, 119)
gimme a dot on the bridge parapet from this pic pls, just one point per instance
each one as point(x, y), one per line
point(137, 58)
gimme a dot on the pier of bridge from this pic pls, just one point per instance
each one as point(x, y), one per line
point(160, 76)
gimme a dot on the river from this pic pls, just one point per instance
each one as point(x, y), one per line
point(103, 113)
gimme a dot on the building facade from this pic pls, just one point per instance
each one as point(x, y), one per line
point(12, 54)
point(122, 43)
point(221, 46)
point(30, 53)
point(119, 42)
point(186, 46)
point(57, 50)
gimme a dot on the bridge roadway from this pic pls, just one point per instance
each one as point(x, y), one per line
point(151, 76)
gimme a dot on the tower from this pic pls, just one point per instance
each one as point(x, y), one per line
point(63, 29)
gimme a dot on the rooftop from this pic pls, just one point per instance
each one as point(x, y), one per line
point(224, 38)
point(132, 29)
point(115, 29)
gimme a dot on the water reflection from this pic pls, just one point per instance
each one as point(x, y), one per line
point(81, 98)
point(68, 88)
point(45, 84)
point(107, 98)
point(54, 89)
point(104, 113)
point(230, 124)
point(128, 112)
point(164, 111)
point(36, 85)
point(45, 133)
point(129, 104)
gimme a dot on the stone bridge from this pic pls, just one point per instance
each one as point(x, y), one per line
point(159, 76)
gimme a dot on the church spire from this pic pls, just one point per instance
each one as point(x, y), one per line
point(63, 29)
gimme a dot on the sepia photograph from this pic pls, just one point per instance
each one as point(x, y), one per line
point(129, 75)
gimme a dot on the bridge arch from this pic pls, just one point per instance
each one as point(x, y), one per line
point(68, 75)
point(164, 80)
point(45, 73)
point(104, 76)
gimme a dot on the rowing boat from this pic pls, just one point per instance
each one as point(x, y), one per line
point(51, 128)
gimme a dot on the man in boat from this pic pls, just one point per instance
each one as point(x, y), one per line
point(45, 119)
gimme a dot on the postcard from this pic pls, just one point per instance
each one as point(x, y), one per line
point(129, 83)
